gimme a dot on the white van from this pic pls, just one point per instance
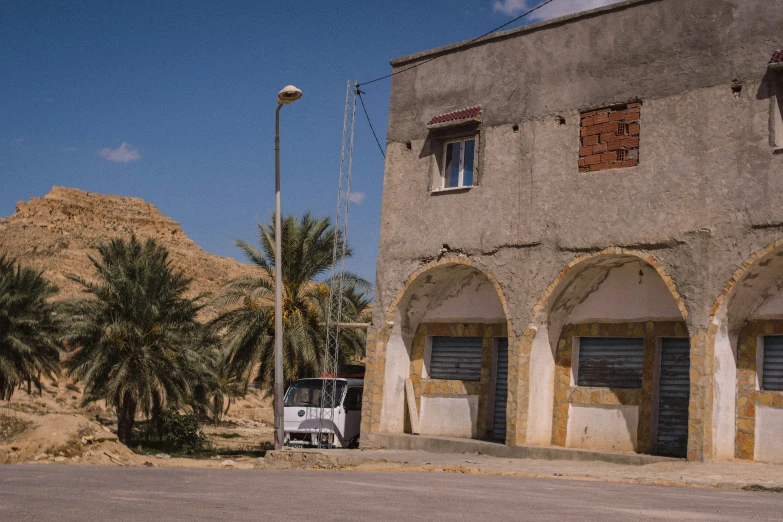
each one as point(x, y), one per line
point(303, 412)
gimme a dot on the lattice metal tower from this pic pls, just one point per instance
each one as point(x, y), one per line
point(335, 312)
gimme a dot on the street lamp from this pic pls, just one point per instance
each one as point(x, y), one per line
point(288, 94)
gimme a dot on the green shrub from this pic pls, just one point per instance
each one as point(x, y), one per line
point(180, 432)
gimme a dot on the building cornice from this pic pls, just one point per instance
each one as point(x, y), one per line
point(555, 22)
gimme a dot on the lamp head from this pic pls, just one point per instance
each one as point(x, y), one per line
point(288, 94)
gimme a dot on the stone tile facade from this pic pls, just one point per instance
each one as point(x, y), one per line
point(375, 357)
point(426, 386)
point(749, 396)
point(567, 393)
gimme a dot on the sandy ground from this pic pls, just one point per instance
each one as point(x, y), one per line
point(53, 428)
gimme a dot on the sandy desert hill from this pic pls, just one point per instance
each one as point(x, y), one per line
point(55, 234)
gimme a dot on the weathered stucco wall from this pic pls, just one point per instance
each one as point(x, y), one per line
point(707, 174)
point(632, 291)
point(769, 306)
point(470, 299)
point(703, 199)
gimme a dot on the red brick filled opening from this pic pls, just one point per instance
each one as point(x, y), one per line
point(609, 138)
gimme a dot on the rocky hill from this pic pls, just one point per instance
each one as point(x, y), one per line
point(55, 233)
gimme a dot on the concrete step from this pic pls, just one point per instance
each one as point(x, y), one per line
point(400, 441)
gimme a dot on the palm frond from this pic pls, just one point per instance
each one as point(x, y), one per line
point(246, 322)
point(136, 342)
point(30, 327)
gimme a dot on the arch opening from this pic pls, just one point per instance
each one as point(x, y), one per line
point(612, 342)
point(447, 348)
point(747, 323)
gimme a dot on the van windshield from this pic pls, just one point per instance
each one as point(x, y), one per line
point(308, 393)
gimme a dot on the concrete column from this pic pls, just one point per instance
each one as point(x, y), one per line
point(541, 388)
point(396, 370)
point(725, 403)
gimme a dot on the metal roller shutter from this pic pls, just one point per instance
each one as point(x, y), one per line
point(772, 369)
point(610, 362)
point(501, 391)
point(456, 358)
point(673, 397)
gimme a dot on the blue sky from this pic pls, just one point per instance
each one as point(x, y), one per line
point(174, 102)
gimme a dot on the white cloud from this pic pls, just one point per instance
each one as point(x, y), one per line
point(509, 7)
point(357, 197)
point(20, 139)
point(123, 154)
point(553, 10)
point(70, 149)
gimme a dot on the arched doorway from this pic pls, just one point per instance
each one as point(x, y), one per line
point(446, 358)
point(747, 323)
point(613, 333)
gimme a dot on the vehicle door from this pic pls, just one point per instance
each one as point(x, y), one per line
point(352, 406)
point(302, 405)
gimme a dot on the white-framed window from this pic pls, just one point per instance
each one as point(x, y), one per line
point(459, 158)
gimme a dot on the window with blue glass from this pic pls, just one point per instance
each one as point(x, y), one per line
point(458, 163)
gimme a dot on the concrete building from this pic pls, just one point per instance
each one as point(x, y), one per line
point(582, 235)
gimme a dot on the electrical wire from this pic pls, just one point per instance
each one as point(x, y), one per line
point(359, 93)
point(463, 45)
point(469, 42)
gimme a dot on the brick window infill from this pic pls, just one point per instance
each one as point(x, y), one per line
point(609, 138)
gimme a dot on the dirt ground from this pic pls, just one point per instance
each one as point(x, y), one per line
point(53, 428)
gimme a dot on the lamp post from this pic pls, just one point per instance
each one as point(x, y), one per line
point(288, 94)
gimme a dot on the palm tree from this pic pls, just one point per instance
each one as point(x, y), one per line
point(29, 328)
point(227, 386)
point(138, 345)
point(247, 317)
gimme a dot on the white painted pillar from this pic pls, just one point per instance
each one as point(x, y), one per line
point(541, 389)
point(397, 369)
point(725, 403)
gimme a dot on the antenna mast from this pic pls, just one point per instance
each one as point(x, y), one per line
point(329, 398)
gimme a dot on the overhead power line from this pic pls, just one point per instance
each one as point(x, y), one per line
point(496, 29)
point(463, 45)
point(359, 93)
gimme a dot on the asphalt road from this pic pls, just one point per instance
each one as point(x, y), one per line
point(64, 493)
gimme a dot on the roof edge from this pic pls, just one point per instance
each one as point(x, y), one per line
point(456, 117)
point(465, 44)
